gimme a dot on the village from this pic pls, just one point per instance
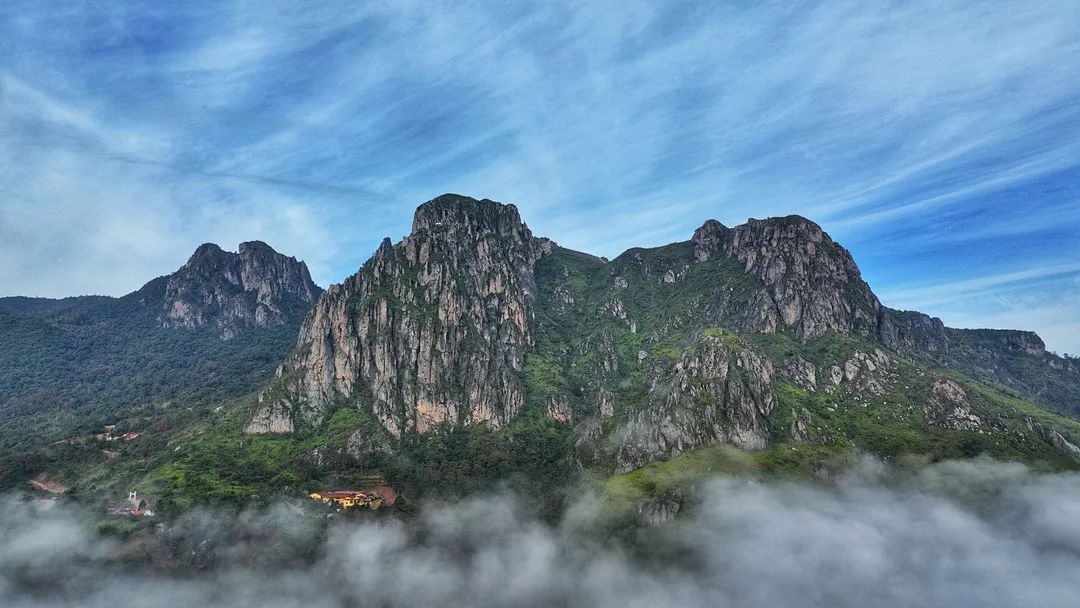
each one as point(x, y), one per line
point(375, 495)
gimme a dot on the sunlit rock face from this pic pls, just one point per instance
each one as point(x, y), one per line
point(471, 320)
point(812, 284)
point(430, 330)
point(948, 407)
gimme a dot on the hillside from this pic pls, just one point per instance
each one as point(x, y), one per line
point(214, 329)
point(473, 354)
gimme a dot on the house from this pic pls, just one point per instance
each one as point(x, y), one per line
point(349, 499)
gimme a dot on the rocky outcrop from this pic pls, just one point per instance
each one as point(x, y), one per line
point(431, 330)
point(715, 393)
point(812, 283)
point(801, 423)
point(1056, 440)
point(256, 287)
point(273, 418)
point(863, 374)
point(361, 443)
point(912, 332)
point(801, 373)
point(662, 510)
point(948, 407)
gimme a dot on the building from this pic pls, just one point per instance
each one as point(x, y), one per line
point(349, 500)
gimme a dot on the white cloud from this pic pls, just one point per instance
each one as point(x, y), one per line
point(317, 127)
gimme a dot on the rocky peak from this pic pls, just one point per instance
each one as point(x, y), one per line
point(431, 330)
point(232, 291)
point(812, 283)
point(257, 250)
point(469, 215)
point(708, 239)
point(207, 259)
point(1027, 342)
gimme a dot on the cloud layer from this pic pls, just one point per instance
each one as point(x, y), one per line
point(937, 140)
point(960, 534)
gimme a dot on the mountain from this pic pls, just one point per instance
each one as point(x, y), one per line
point(215, 328)
point(474, 355)
point(754, 336)
point(231, 292)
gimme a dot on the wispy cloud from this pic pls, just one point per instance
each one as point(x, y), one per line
point(937, 140)
point(1040, 298)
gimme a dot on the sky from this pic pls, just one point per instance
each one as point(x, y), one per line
point(938, 141)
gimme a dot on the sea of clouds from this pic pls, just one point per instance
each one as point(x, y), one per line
point(972, 533)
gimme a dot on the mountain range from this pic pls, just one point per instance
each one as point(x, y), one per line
point(475, 350)
point(471, 319)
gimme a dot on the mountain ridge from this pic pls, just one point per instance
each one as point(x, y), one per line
point(471, 319)
point(99, 355)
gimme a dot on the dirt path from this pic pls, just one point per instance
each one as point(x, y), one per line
point(45, 484)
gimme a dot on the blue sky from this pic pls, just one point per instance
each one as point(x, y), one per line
point(939, 141)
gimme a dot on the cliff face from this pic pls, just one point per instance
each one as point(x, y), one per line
point(471, 320)
point(100, 355)
point(432, 329)
point(256, 287)
point(717, 392)
point(812, 284)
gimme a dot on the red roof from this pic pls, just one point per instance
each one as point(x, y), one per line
point(342, 494)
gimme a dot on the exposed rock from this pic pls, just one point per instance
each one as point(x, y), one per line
point(272, 418)
point(315, 457)
point(836, 376)
point(908, 331)
point(433, 329)
point(256, 287)
point(661, 511)
point(813, 283)
point(800, 425)
point(709, 239)
point(615, 308)
point(864, 373)
point(361, 443)
point(801, 373)
point(560, 410)
point(606, 403)
point(714, 394)
point(1056, 440)
point(948, 407)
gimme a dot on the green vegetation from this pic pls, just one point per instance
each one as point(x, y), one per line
point(600, 327)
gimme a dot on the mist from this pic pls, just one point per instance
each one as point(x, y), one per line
point(971, 533)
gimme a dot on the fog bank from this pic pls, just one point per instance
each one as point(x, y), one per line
point(974, 533)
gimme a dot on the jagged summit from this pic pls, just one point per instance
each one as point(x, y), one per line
point(471, 319)
point(430, 330)
point(230, 291)
point(206, 250)
point(161, 343)
point(255, 248)
point(463, 212)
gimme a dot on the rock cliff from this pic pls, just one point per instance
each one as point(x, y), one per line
point(256, 287)
point(471, 319)
point(433, 329)
point(812, 284)
point(717, 392)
